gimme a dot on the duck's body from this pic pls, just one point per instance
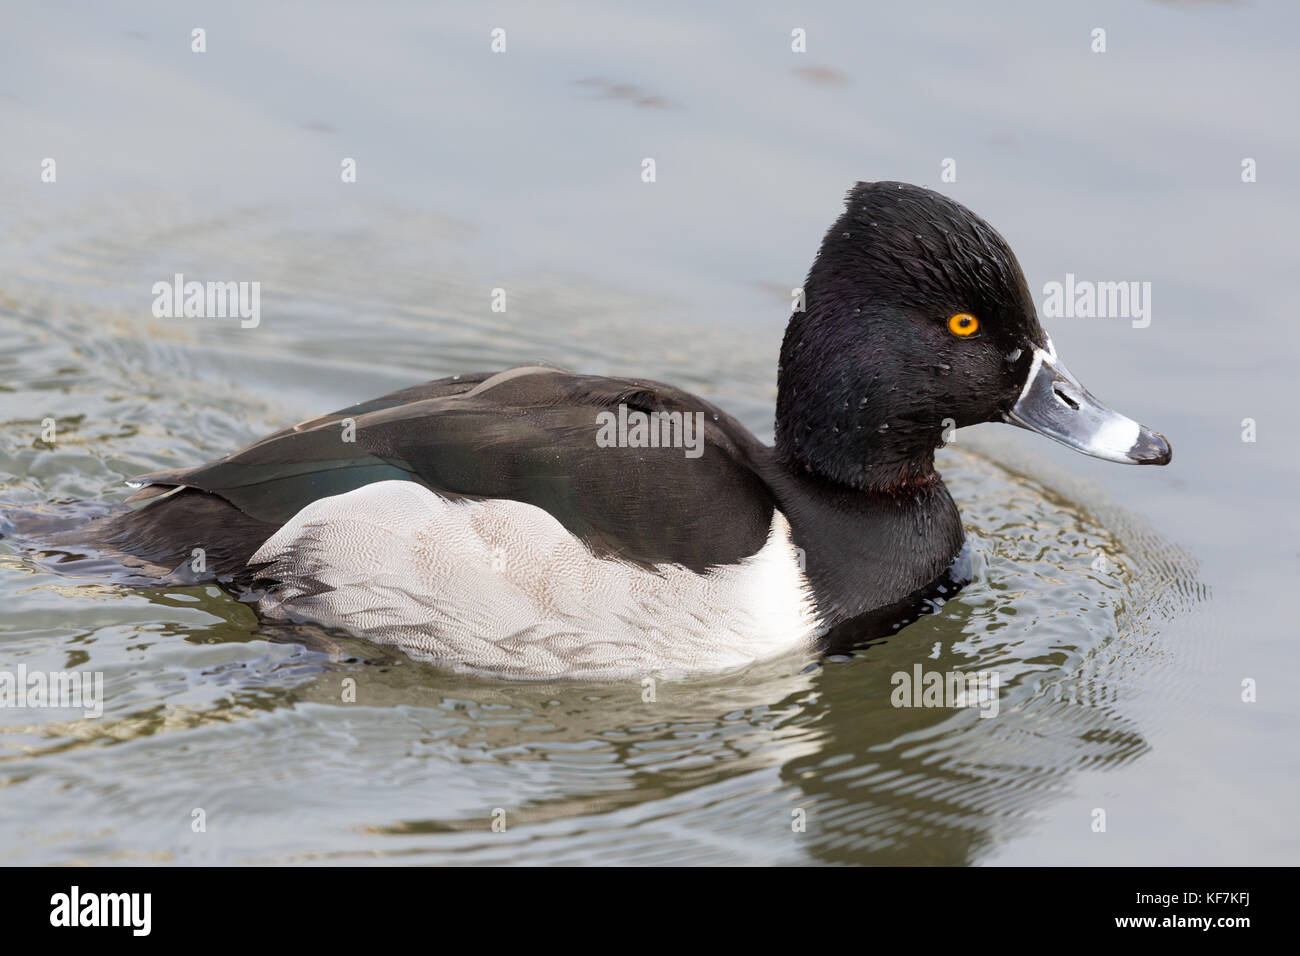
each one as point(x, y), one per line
point(476, 520)
point(513, 522)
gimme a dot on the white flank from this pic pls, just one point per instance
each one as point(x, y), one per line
point(501, 587)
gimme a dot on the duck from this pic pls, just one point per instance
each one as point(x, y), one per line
point(540, 523)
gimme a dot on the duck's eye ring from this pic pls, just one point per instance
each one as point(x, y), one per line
point(963, 325)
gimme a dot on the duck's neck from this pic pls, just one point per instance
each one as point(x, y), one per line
point(845, 421)
point(863, 550)
point(853, 467)
point(880, 467)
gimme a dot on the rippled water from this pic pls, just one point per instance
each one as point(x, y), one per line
point(1120, 608)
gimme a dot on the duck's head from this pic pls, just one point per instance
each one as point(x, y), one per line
point(917, 320)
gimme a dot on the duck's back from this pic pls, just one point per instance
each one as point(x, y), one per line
point(536, 435)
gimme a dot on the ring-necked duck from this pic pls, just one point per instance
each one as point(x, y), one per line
point(540, 523)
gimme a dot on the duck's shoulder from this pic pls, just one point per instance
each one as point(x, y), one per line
point(636, 469)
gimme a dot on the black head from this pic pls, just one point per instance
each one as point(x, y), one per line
point(917, 320)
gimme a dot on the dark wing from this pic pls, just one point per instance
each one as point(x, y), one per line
point(527, 434)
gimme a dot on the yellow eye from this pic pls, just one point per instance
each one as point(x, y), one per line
point(963, 325)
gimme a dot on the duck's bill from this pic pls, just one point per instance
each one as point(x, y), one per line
point(1054, 404)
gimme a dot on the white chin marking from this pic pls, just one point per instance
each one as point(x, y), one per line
point(1039, 358)
point(501, 587)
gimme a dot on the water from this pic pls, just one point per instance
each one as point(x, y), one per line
point(1121, 608)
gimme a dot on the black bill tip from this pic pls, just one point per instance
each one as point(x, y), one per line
point(1151, 448)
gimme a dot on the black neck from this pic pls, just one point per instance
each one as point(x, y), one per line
point(843, 422)
point(863, 549)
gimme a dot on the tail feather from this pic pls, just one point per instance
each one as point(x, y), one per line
point(190, 536)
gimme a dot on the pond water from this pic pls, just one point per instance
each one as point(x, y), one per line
point(1121, 608)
